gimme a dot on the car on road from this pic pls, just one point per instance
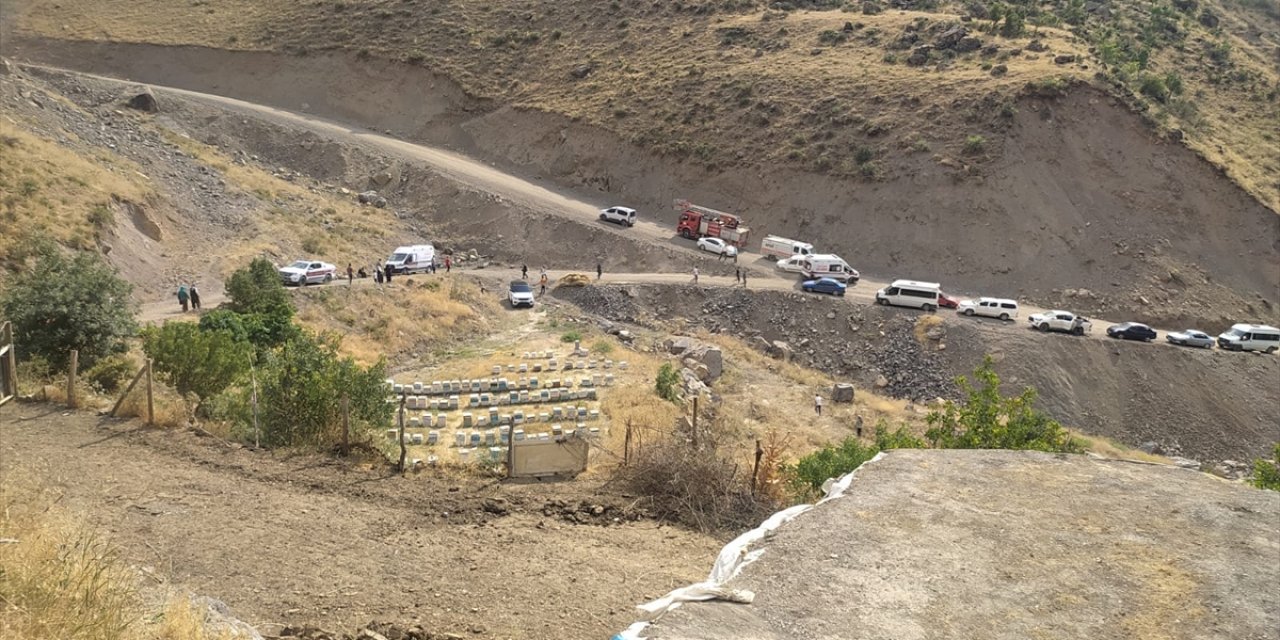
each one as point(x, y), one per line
point(1131, 331)
point(824, 285)
point(520, 294)
point(619, 215)
point(911, 293)
point(794, 264)
point(1058, 320)
point(304, 272)
point(716, 245)
point(1190, 338)
point(947, 301)
point(1002, 308)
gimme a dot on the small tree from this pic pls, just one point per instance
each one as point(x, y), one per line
point(257, 289)
point(667, 385)
point(831, 462)
point(196, 362)
point(988, 420)
point(300, 389)
point(69, 302)
point(1266, 473)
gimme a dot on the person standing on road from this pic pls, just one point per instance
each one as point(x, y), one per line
point(737, 274)
point(183, 297)
point(695, 275)
point(195, 297)
point(377, 276)
point(744, 279)
point(524, 272)
point(390, 271)
point(857, 426)
point(351, 275)
point(448, 264)
point(543, 282)
point(599, 271)
point(817, 404)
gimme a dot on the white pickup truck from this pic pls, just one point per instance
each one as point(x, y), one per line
point(1064, 321)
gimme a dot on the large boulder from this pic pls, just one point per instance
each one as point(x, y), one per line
point(842, 392)
point(145, 101)
point(780, 350)
point(951, 37)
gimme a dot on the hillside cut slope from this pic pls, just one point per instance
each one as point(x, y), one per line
point(999, 544)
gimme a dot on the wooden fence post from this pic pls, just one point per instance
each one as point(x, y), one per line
point(755, 470)
point(10, 362)
point(71, 378)
point(151, 401)
point(346, 425)
point(127, 391)
point(626, 446)
point(695, 422)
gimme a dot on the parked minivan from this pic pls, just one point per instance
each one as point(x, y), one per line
point(780, 247)
point(911, 293)
point(1250, 337)
point(413, 258)
point(829, 265)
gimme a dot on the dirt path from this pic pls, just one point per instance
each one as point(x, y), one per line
point(312, 540)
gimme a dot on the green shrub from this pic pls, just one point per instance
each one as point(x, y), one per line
point(1266, 473)
point(300, 388)
point(194, 361)
point(974, 145)
point(988, 420)
point(110, 373)
point(602, 347)
point(832, 37)
point(1154, 87)
point(571, 336)
point(66, 302)
point(257, 289)
point(667, 384)
point(830, 462)
point(864, 154)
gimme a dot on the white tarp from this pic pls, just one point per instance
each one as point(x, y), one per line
point(733, 557)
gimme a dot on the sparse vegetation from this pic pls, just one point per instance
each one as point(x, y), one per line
point(1266, 473)
point(571, 336)
point(667, 384)
point(975, 145)
point(195, 361)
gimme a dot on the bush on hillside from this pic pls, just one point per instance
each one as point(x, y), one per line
point(986, 420)
point(110, 373)
point(194, 361)
point(667, 384)
point(258, 307)
point(66, 302)
point(697, 487)
point(300, 387)
point(1266, 473)
point(257, 289)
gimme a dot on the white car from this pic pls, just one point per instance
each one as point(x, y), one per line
point(1002, 308)
point(794, 264)
point(619, 215)
point(716, 245)
point(1058, 320)
point(520, 294)
point(303, 272)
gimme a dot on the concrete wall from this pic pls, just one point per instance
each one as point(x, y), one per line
point(536, 458)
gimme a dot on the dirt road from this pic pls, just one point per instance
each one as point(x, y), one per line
point(309, 539)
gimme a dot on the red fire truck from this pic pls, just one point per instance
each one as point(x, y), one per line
point(699, 222)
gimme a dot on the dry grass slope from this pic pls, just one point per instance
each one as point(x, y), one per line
point(62, 580)
point(739, 83)
point(49, 190)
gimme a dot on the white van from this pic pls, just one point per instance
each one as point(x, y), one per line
point(619, 215)
point(412, 259)
point(829, 265)
point(911, 293)
point(780, 247)
point(1250, 337)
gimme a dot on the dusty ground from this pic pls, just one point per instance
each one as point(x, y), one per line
point(303, 539)
point(981, 544)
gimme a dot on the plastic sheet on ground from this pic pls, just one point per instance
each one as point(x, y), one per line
point(732, 559)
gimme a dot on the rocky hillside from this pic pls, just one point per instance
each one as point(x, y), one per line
point(844, 88)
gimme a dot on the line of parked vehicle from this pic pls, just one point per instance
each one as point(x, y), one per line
point(723, 233)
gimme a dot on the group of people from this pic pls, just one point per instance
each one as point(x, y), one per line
point(384, 273)
point(189, 297)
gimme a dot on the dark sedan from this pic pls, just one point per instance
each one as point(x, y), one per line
point(1131, 331)
point(824, 285)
